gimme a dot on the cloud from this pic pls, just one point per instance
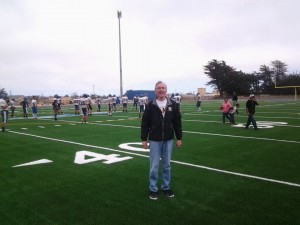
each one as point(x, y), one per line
point(62, 47)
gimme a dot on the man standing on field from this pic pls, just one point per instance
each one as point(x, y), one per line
point(160, 121)
point(250, 109)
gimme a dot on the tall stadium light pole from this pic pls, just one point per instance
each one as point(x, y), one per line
point(120, 54)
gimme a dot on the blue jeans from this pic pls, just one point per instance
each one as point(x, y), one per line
point(251, 120)
point(163, 150)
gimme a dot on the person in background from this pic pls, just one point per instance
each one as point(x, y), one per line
point(34, 107)
point(135, 102)
point(110, 105)
point(161, 121)
point(198, 101)
point(234, 100)
point(25, 106)
point(55, 108)
point(225, 108)
point(89, 105)
point(4, 112)
point(84, 104)
point(76, 105)
point(12, 104)
point(98, 102)
point(142, 103)
point(232, 111)
point(250, 110)
point(59, 106)
point(177, 98)
point(118, 102)
point(124, 103)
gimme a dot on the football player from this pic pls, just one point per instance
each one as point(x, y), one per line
point(99, 102)
point(125, 103)
point(34, 107)
point(76, 105)
point(135, 102)
point(4, 112)
point(84, 103)
point(25, 106)
point(12, 104)
point(55, 108)
point(142, 103)
point(110, 105)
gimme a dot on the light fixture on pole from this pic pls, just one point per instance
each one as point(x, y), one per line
point(120, 54)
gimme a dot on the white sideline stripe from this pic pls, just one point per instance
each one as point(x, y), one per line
point(173, 161)
point(202, 133)
point(213, 121)
point(76, 143)
point(239, 174)
point(246, 137)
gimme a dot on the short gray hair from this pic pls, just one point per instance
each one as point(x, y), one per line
point(159, 82)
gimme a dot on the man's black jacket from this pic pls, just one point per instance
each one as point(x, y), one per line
point(155, 127)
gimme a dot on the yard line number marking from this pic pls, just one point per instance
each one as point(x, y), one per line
point(173, 161)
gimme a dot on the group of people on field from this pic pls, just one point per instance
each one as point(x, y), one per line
point(83, 104)
point(229, 110)
point(7, 104)
point(161, 126)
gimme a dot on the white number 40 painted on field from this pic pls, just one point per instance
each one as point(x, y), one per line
point(80, 157)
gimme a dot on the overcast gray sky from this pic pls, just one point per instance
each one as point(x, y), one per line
point(61, 47)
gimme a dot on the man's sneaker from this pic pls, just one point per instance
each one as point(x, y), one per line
point(168, 193)
point(153, 195)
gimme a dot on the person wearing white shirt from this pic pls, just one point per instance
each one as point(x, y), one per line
point(4, 112)
point(34, 107)
point(124, 103)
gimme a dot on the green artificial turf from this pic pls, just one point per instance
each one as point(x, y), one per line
point(221, 175)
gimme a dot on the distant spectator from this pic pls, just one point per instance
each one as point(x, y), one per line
point(135, 102)
point(99, 102)
point(55, 108)
point(110, 105)
point(142, 103)
point(84, 104)
point(232, 111)
point(76, 101)
point(12, 104)
point(225, 109)
point(34, 107)
point(124, 103)
point(177, 98)
point(25, 106)
point(198, 101)
point(4, 112)
point(250, 109)
point(234, 100)
point(114, 103)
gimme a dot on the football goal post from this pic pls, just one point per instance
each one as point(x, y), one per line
point(295, 88)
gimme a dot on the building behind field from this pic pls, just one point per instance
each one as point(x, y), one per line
point(201, 91)
point(131, 93)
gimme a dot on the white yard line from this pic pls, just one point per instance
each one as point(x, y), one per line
point(173, 161)
point(196, 132)
point(214, 121)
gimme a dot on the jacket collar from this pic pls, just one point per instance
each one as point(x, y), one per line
point(168, 101)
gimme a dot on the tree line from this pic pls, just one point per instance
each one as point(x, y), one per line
point(226, 79)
